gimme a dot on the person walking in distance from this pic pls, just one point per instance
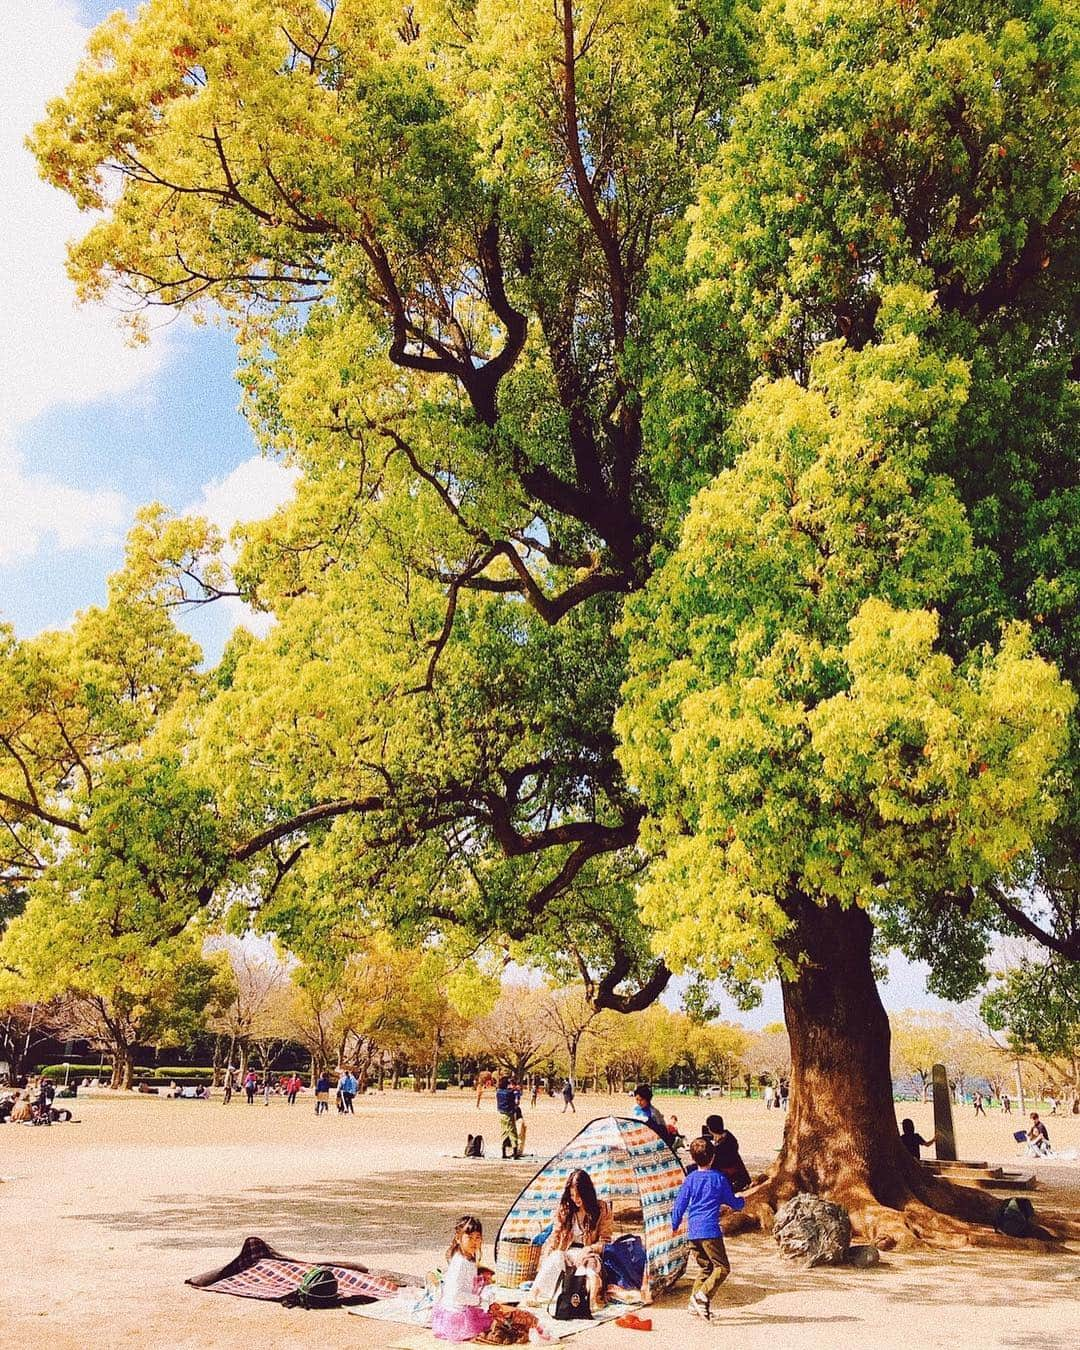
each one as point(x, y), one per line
point(251, 1082)
point(568, 1097)
point(230, 1085)
point(322, 1093)
point(1006, 1104)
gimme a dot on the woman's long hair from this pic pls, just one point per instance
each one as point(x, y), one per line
point(590, 1205)
point(466, 1225)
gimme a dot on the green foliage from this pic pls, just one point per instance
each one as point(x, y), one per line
point(789, 714)
point(1038, 1004)
point(696, 374)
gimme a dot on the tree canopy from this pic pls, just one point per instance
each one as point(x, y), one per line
point(682, 562)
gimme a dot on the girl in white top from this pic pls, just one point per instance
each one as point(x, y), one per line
point(459, 1314)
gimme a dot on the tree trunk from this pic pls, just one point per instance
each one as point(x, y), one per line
point(123, 1067)
point(841, 1138)
point(436, 1052)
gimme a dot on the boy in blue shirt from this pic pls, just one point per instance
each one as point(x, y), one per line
point(702, 1197)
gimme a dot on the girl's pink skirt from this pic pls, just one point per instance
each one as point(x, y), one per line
point(459, 1324)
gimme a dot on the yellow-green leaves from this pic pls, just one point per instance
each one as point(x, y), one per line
point(951, 770)
point(790, 715)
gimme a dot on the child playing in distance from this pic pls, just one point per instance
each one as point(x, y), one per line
point(702, 1198)
point(459, 1314)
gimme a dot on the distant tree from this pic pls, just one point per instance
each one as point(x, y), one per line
point(714, 1051)
point(1036, 1004)
point(572, 1020)
point(921, 1039)
point(23, 1028)
point(768, 1054)
point(514, 1034)
point(253, 1012)
point(641, 1047)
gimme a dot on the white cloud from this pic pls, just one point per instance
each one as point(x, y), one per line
point(51, 351)
point(252, 491)
point(33, 508)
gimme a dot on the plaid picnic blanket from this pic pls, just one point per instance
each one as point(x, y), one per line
point(261, 1272)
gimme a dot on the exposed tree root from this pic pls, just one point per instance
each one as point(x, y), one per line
point(921, 1210)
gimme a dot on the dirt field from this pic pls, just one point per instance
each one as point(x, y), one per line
point(100, 1223)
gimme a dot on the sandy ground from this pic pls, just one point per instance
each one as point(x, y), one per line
point(100, 1223)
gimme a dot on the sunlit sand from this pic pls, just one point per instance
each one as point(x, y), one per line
point(101, 1222)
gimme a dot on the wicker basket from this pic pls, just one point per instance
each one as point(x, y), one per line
point(516, 1262)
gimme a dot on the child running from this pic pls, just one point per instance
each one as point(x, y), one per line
point(702, 1197)
point(459, 1315)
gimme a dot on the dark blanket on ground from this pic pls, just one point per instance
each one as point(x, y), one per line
point(261, 1272)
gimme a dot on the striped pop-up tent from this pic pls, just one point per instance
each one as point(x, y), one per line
point(626, 1161)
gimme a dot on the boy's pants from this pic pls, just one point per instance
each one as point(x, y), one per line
point(715, 1267)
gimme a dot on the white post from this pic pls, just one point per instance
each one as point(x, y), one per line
point(1020, 1090)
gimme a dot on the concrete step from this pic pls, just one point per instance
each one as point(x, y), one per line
point(967, 1171)
point(934, 1163)
point(1007, 1181)
point(980, 1175)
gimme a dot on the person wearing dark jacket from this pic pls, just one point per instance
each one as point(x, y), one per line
point(726, 1156)
point(506, 1103)
point(911, 1141)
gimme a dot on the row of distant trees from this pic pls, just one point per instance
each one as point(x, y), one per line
point(394, 1015)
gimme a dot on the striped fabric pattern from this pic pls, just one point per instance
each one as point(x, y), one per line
point(626, 1160)
point(274, 1279)
point(261, 1272)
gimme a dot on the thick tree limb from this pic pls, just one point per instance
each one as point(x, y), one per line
point(313, 816)
point(1068, 947)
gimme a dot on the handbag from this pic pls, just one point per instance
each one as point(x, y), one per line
point(571, 1301)
point(624, 1262)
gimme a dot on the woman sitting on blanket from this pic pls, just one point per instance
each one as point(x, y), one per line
point(582, 1227)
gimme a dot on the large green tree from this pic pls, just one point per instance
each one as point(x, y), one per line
point(502, 277)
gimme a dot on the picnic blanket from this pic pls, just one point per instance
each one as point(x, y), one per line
point(261, 1272)
point(406, 1312)
point(413, 1307)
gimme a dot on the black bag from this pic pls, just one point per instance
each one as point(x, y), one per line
point(474, 1146)
point(1015, 1217)
point(318, 1289)
point(571, 1299)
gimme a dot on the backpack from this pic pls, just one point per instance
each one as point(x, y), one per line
point(318, 1289)
point(474, 1146)
point(1015, 1217)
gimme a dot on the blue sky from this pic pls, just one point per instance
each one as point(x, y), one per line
point(90, 428)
